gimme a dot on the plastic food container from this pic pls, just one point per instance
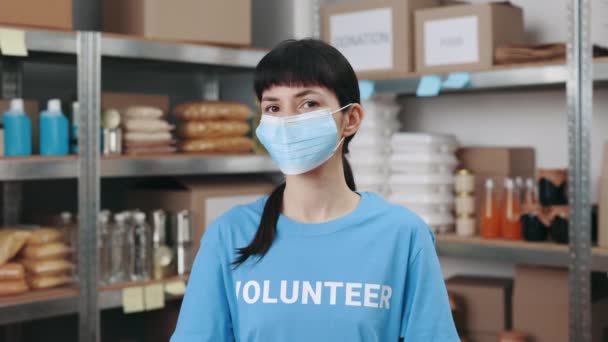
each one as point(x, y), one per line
point(439, 223)
point(423, 163)
point(371, 182)
point(424, 204)
point(370, 140)
point(421, 184)
point(423, 143)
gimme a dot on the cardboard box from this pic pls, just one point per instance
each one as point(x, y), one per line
point(205, 199)
point(482, 337)
point(464, 37)
point(54, 14)
point(32, 110)
point(210, 21)
point(486, 303)
point(377, 37)
point(496, 163)
point(541, 305)
point(121, 101)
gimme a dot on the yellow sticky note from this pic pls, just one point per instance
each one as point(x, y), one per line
point(12, 42)
point(154, 296)
point(133, 299)
point(175, 288)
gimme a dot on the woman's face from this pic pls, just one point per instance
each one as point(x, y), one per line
point(285, 101)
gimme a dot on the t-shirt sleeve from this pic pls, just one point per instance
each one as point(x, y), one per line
point(427, 315)
point(205, 315)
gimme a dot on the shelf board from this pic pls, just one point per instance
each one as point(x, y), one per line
point(38, 167)
point(125, 46)
point(38, 304)
point(185, 164)
point(520, 252)
point(499, 77)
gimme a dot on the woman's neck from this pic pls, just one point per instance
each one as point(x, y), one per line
point(319, 195)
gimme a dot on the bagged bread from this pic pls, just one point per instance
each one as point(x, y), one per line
point(11, 242)
point(45, 282)
point(55, 250)
point(148, 125)
point(212, 110)
point(12, 271)
point(225, 145)
point(142, 112)
point(150, 150)
point(45, 235)
point(145, 136)
point(13, 287)
point(213, 129)
point(47, 267)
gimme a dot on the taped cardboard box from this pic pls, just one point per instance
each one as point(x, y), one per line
point(377, 37)
point(54, 14)
point(33, 112)
point(541, 305)
point(485, 303)
point(205, 199)
point(209, 21)
point(464, 37)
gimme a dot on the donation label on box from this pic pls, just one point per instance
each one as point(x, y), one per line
point(365, 38)
point(451, 41)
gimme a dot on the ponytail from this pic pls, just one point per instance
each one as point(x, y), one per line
point(267, 230)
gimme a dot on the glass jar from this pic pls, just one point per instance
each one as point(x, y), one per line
point(104, 247)
point(118, 250)
point(141, 248)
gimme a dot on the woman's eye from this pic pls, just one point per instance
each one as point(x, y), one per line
point(271, 109)
point(310, 104)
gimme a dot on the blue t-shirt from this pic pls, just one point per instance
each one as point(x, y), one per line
point(371, 275)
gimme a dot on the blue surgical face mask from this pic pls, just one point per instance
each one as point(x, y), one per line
point(300, 143)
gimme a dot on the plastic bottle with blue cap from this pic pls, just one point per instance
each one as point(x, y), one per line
point(54, 131)
point(17, 130)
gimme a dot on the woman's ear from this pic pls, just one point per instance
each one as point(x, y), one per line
point(352, 119)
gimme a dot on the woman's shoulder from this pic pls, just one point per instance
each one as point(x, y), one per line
point(397, 217)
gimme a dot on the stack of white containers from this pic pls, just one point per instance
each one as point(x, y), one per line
point(422, 176)
point(370, 148)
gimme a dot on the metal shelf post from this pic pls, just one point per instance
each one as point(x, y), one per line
point(89, 94)
point(580, 115)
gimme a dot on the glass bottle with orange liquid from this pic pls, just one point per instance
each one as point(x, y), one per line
point(490, 216)
point(510, 212)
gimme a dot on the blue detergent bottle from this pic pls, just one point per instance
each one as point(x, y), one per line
point(17, 130)
point(54, 131)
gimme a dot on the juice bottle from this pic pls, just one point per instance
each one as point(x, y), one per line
point(530, 198)
point(511, 212)
point(490, 219)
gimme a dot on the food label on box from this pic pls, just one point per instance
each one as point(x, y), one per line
point(451, 41)
point(365, 38)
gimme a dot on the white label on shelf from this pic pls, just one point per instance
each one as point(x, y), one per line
point(365, 38)
point(154, 296)
point(133, 299)
point(12, 42)
point(451, 41)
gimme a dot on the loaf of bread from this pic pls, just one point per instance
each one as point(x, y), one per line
point(147, 125)
point(45, 235)
point(212, 110)
point(144, 136)
point(48, 251)
point(11, 242)
point(47, 267)
point(45, 282)
point(223, 145)
point(13, 287)
point(213, 129)
point(12, 271)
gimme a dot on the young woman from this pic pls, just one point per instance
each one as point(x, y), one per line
point(316, 260)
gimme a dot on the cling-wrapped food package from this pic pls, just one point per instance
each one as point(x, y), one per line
point(49, 251)
point(45, 235)
point(13, 287)
point(219, 145)
point(47, 267)
point(11, 242)
point(212, 110)
point(11, 271)
point(213, 129)
point(45, 282)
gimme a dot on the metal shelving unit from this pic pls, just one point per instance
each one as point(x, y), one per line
point(578, 74)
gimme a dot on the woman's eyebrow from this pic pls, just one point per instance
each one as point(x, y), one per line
point(270, 99)
point(307, 92)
